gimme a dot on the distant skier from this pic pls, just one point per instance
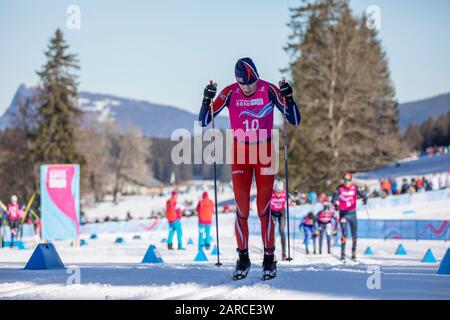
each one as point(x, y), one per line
point(3, 217)
point(309, 225)
point(345, 199)
point(173, 215)
point(14, 216)
point(327, 225)
point(278, 212)
point(205, 211)
point(250, 103)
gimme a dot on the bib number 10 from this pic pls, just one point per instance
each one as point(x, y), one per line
point(253, 125)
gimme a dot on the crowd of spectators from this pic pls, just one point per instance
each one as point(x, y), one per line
point(392, 186)
point(436, 150)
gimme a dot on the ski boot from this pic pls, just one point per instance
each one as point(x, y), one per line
point(284, 256)
point(269, 267)
point(307, 251)
point(242, 266)
point(170, 246)
point(343, 257)
point(354, 254)
point(181, 248)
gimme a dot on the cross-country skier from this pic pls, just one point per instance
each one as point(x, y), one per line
point(173, 215)
point(345, 199)
point(327, 226)
point(278, 212)
point(250, 102)
point(14, 216)
point(309, 225)
point(205, 211)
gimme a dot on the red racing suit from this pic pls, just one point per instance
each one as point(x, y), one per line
point(251, 119)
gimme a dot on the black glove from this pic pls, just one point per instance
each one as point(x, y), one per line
point(209, 93)
point(364, 201)
point(286, 91)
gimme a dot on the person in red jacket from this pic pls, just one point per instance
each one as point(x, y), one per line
point(173, 215)
point(205, 210)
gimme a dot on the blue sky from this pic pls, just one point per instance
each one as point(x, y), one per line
point(166, 51)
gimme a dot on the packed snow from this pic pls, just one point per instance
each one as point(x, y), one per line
point(114, 271)
point(108, 270)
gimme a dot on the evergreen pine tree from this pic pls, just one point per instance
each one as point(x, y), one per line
point(342, 84)
point(54, 139)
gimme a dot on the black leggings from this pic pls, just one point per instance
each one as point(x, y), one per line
point(348, 218)
point(281, 217)
point(14, 225)
point(323, 230)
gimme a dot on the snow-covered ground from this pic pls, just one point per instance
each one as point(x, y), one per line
point(113, 271)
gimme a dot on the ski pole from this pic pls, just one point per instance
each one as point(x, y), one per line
point(215, 179)
point(286, 177)
point(368, 217)
point(295, 230)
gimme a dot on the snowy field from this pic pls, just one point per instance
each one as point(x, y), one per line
point(113, 271)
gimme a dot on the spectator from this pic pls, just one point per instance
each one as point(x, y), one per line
point(227, 208)
point(386, 186)
point(442, 181)
point(37, 228)
point(394, 186)
point(448, 179)
point(419, 183)
point(428, 186)
point(435, 182)
point(414, 184)
point(405, 186)
point(412, 189)
point(312, 197)
point(173, 215)
point(205, 211)
point(129, 217)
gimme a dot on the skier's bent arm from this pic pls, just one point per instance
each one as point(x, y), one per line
point(218, 105)
point(362, 195)
point(292, 113)
point(335, 196)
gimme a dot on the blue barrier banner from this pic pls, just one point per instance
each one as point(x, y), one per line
point(433, 230)
point(373, 229)
point(377, 229)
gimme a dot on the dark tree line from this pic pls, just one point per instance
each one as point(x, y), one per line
point(433, 132)
point(162, 167)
